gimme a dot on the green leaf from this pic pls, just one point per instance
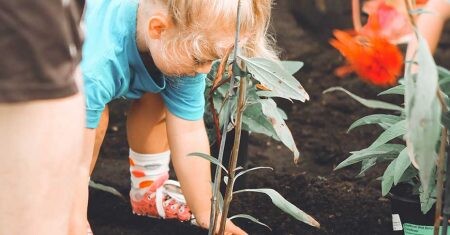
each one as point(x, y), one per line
point(269, 108)
point(375, 104)
point(410, 173)
point(397, 90)
point(357, 156)
point(284, 205)
point(427, 198)
point(254, 120)
point(396, 130)
point(388, 178)
point(292, 66)
point(386, 119)
point(366, 165)
point(251, 169)
point(268, 94)
point(226, 110)
point(283, 114)
point(273, 76)
point(106, 188)
point(209, 158)
point(423, 113)
point(443, 72)
point(249, 217)
point(401, 164)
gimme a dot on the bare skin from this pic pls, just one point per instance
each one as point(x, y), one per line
point(43, 141)
point(430, 24)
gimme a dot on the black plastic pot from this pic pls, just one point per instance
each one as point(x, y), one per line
point(407, 217)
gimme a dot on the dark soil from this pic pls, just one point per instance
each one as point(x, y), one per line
point(342, 203)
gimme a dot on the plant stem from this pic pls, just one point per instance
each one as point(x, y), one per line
point(235, 153)
point(440, 168)
point(446, 211)
point(216, 84)
point(238, 127)
point(221, 138)
point(214, 216)
point(440, 181)
point(356, 15)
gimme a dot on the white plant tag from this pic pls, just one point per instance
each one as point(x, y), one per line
point(396, 223)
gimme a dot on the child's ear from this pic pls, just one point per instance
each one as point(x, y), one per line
point(157, 25)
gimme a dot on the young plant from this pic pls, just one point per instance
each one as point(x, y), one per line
point(420, 159)
point(253, 109)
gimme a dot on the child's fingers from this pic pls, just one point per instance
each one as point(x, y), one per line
point(232, 229)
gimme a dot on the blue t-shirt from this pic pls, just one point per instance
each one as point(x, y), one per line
point(112, 67)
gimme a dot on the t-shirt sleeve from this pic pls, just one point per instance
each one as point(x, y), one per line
point(184, 97)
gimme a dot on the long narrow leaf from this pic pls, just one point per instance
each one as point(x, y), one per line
point(251, 218)
point(209, 158)
point(396, 130)
point(285, 205)
point(401, 165)
point(106, 188)
point(251, 169)
point(375, 104)
point(423, 115)
point(367, 153)
point(375, 119)
point(388, 178)
point(397, 90)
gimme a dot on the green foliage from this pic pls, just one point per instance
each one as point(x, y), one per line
point(261, 114)
point(284, 205)
point(251, 218)
point(106, 188)
point(276, 78)
point(423, 114)
point(209, 158)
point(383, 120)
point(418, 125)
point(375, 104)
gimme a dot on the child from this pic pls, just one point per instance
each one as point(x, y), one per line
point(157, 52)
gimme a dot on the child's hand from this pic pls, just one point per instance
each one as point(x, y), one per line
point(230, 228)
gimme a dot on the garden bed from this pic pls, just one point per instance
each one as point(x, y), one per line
point(342, 203)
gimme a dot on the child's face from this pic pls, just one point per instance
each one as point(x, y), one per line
point(185, 66)
point(181, 48)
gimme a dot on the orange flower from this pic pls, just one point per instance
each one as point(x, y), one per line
point(372, 57)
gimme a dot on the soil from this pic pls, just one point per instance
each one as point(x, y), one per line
point(341, 202)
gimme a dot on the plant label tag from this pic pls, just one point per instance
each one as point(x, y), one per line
point(396, 223)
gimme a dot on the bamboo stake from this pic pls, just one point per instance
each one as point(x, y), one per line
point(214, 216)
point(238, 127)
point(440, 169)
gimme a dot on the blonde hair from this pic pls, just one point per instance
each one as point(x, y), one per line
point(199, 25)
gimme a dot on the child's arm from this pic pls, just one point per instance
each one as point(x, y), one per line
point(431, 23)
point(193, 172)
